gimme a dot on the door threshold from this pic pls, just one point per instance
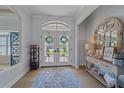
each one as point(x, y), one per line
point(57, 66)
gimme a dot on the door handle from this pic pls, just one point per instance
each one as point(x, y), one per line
point(57, 50)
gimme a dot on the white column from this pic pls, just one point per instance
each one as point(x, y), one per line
point(76, 46)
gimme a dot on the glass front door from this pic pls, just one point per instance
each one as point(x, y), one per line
point(63, 46)
point(55, 49)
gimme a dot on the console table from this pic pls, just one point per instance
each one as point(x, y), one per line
point(116, 70)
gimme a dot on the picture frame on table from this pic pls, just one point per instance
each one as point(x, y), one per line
point(108, 53)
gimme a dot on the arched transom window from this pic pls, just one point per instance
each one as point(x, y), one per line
point(56, 26)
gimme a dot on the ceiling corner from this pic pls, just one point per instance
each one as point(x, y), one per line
point(84, 12)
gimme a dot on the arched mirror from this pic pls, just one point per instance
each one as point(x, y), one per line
point(109, 33)
point(10, 28)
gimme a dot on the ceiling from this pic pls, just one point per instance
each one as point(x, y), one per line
point(55, 10)
point(78, 12)
point(7, 14)
point(5, 9)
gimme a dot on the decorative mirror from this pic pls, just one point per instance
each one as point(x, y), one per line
point(109, 34)
point(10, 30)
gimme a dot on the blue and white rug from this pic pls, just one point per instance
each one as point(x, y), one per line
point(57, 78)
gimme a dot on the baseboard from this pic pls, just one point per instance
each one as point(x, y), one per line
point(11, 83)
point(82, 67)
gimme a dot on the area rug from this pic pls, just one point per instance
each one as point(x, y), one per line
point(57, 78)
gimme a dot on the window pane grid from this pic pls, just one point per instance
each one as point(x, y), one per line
point(2, 50)
point(56, 27)
point(4, 43)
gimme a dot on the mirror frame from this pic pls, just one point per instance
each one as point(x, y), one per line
point(108, 25)
point(15, 11)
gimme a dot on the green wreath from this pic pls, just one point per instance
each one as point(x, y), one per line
point(64, 39)
point(49, 39)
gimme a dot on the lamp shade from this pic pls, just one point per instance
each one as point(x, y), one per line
point(88, 46)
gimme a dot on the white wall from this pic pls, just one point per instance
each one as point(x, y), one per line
point(37, 22)
point(97, 17)
point(9, 76)
point(9, 24)
point(82, 41)
point(84, 12)
point(100, 14)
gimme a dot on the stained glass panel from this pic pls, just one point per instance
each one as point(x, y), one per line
point(49, 49)
point(64, 49)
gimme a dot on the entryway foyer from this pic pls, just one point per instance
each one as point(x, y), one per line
point(61, 46)
point(58, 77)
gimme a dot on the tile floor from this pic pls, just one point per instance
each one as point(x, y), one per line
point(85, 79)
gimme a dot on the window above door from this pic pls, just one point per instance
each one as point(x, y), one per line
point(56, 26)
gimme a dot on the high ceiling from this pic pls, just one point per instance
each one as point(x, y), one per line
point(78, 12)
point(5, 10)
point(6, 13)
point(55, 10)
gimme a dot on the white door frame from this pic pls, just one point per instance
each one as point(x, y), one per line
point(42, 63)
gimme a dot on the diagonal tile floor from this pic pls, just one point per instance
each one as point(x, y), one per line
point(58, 77)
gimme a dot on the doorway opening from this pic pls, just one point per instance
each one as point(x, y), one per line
point(55, 44)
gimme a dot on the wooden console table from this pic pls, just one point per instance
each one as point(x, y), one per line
point(116, 70)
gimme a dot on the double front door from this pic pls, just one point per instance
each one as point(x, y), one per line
point(55, 49)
